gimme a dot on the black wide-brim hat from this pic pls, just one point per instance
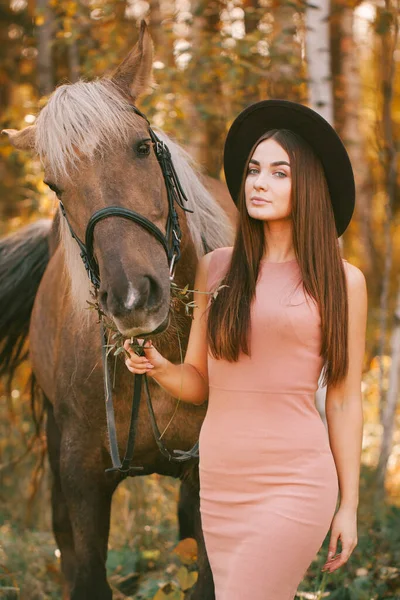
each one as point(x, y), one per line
point(259, 118)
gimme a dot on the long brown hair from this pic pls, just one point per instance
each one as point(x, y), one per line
point(317, 252)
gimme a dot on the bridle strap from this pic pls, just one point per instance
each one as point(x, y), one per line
point(125, 213)
point(125, 466)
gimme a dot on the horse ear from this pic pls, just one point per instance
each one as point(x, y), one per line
point(22, 140)
point(134, 76)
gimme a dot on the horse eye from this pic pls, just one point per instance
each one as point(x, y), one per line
point(53, 188)
point(143, 149)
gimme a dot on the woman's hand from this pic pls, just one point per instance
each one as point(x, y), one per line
point(344, 526)
point(150, 363)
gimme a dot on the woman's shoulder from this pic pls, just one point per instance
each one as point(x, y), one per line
point(354, 276)
point(219, 256)
point(216, 263)
point(220, 253)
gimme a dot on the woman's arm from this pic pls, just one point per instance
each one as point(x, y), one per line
point(344, 415)
point(343, 407)
point(189, 380)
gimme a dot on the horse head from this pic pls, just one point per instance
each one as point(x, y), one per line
point(97, 152)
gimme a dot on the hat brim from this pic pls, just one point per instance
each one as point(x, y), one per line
point(258, 118)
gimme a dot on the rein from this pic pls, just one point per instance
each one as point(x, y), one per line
point(171, 243)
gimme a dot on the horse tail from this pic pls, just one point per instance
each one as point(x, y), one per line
point(24, 256)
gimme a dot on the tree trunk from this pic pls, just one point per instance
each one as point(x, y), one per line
point(347, 110)
point(45, 31)
point(320, 93)
point(216, 120)
point(388, 24)
point(73, 60)
point(161, 45)
point(250, 15)
point(318, 59)
point(286, 69)
point(207, 112)
point(389, 413)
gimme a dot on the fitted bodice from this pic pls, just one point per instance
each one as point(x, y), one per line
point(285, 336)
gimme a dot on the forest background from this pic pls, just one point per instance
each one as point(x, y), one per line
point(213, 58)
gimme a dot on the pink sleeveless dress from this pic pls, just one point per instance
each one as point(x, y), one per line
point(268, 481)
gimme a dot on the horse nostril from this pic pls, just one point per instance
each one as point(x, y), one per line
point(155, 293)
point(119, 301)
point(150, 293)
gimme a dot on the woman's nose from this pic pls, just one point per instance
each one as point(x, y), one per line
point(260, 183)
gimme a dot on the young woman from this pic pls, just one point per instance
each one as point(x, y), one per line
point(288, 308)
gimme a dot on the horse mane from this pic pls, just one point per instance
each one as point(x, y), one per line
point(208, 220)
point(92, 117)
point(80, 119)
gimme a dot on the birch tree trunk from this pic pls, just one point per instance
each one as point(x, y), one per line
point(392, 399)
point(388, 24)
point(319, 93)
point(319, 59)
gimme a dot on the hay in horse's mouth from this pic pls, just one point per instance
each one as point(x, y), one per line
point(178, 296)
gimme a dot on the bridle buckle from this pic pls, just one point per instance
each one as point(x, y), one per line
point(172, 266)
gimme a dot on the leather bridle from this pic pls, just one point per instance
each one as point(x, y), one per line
point(171, 243)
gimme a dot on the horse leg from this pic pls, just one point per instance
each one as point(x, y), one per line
point(186, 512)
point(204, 588)
point(88, 496)
point(61, 523)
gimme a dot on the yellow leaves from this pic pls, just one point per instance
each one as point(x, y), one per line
point(187, 551)
point(152, 555)
point(183, 578)
point(71, 9)
point(6, 151)
point(184, 290)
point(174, 590)
point(26, 68)
point(375, 362)
point(21, 95)
point(186, 578)
point(39, 20)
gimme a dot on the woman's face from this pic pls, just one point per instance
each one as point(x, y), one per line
point(268, 183)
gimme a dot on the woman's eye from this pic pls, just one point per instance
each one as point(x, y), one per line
point(254, 171)
point(143, 149)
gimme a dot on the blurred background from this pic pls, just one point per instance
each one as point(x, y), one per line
point(213, 58)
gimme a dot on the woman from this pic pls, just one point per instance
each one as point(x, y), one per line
point(287, 307)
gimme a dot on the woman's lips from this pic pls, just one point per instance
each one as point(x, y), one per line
point(257, 200)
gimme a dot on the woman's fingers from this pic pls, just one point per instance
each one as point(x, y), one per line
point(138, 368)
point(136, 364)
point(127, 346)
point(151, 359)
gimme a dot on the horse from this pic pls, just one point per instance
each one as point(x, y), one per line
point(96, 152)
